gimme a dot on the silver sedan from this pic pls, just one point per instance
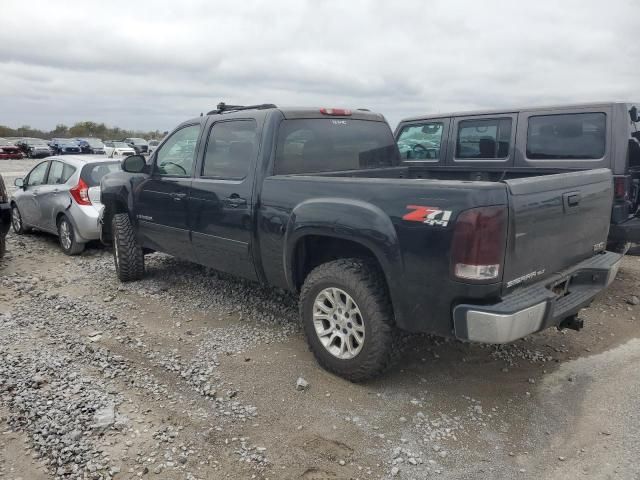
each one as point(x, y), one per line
point(61, 195)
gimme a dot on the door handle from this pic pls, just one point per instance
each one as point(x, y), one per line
point(234, 200)
point(178, 196)
point(571, 199)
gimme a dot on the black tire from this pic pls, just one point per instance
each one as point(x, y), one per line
point(127, 254)
point(67, 237)
point(3, 245)
point(364, 283)
point(17, 223)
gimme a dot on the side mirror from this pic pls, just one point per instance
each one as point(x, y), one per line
point(134, 164)
point(633, 113)
point(18, 182)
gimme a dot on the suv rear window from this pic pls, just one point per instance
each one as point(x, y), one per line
point(92, 173)
point(566, 136)
point(330, 145)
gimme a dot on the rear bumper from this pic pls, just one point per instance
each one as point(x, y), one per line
point(536, 307)
point(628, 231)
point(85, 221)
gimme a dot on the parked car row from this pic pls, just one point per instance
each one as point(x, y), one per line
point(16, 148)
point(482, 226)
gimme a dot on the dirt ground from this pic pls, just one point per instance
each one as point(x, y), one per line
point(191, 374)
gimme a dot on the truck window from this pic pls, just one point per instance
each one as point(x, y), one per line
point(230, 149)
point(331, 145)
point(483, 138)
point(421, 142)
point(566, 136)
point(175, 158)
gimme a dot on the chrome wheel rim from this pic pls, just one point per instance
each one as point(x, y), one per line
point(65, 235)
point(338, 323)
point(16, 219)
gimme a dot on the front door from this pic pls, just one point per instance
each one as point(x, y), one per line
point(53, 193)
point(221, 207)
point(162, 199)
point(28, 201)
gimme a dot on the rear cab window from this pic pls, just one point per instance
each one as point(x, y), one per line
point(332, 145)
point(92, 173)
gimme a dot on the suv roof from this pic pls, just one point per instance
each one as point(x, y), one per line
point(516, 109)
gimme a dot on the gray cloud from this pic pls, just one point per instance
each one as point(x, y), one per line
point(150, 64)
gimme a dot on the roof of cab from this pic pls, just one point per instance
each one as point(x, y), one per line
point(515, 110)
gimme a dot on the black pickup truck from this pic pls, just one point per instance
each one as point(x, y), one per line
point(317, 201)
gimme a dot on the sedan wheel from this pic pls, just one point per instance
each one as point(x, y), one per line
point(16, 221)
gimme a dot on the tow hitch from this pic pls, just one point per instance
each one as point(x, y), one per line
point(572, 323)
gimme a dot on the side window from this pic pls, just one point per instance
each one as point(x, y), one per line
point(421, 142)
point(175, 158)
point(37, 175)
point(483, 138)
point(566, 136)
point(231, 147)
point(59, 173)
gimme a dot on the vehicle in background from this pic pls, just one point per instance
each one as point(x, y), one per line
point(61, 195)
point(9, 151)
point(113, 149)
point(140, 145)
point(91, 145)
point(502, 144)
point(34, 147)
point(65, 146)
point(153, 144)
point(5, 216)
point(317, 201)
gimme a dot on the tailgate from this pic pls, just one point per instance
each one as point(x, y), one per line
point(555, 221)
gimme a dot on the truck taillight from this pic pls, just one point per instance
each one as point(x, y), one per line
point(80, 193)
point(340, 112)
point(478, 243)
point(621, 188)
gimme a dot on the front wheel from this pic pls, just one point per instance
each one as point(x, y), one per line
point(127, 253)
point(347, 318)
point(67, 237)
point(16, 221)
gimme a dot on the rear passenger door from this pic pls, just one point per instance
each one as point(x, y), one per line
point(220, 204)
point(483, 142)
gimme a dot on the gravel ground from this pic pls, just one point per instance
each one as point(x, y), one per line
point(191, 374)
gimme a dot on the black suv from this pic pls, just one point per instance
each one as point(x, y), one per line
point(503, 144)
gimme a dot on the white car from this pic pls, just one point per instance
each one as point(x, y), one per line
point(117, 149)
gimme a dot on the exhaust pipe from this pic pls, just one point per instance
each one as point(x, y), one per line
point(572, 323)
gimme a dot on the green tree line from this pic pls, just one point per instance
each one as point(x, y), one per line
point(80, 129)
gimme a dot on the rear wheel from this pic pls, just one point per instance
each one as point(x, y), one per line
point(67, 237)
point(127, 253)
point(3, 245)
point(347, 318)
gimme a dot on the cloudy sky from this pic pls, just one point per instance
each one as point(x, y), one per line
point(151, 64)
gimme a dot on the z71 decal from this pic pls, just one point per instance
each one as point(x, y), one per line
point(429, 215)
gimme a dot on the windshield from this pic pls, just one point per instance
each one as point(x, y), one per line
point(138, 141)
point(93, 142)
point(36, 143)
point(92, 173)
point(330, 145)
point(120, 145)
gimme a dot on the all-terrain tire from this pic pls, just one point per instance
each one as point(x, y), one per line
point(127, 254)
point(364, 282)
point(3, 245)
